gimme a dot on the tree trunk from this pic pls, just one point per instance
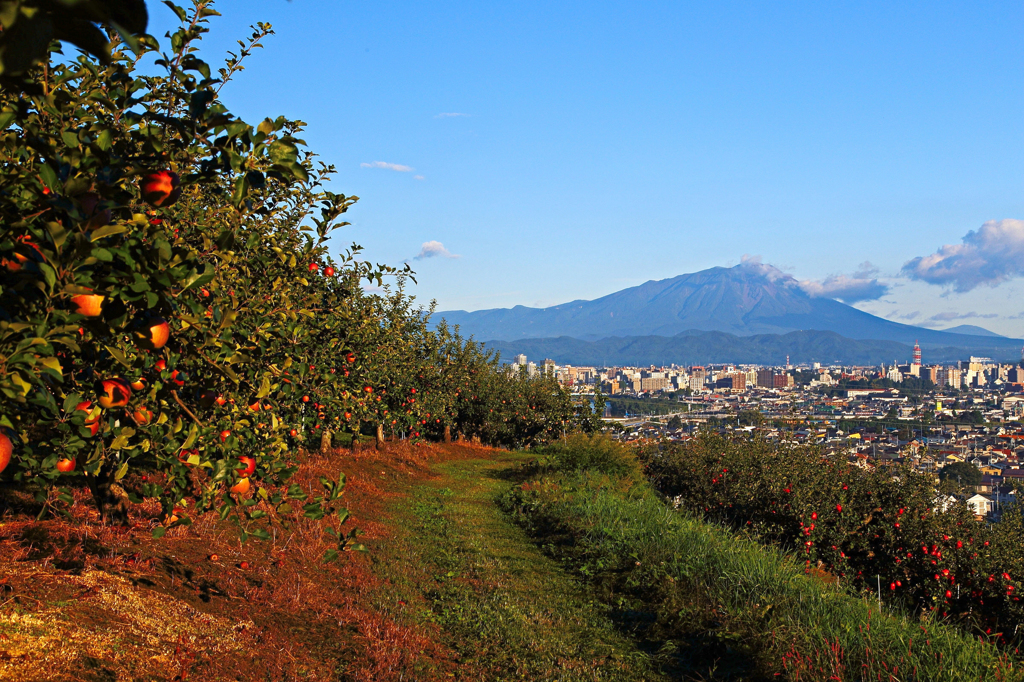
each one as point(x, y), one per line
point(325, 442)
point(380, 436)
point(447, 434)
point(110, 498)
point(355, 437)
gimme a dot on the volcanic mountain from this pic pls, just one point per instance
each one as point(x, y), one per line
point(745, 300)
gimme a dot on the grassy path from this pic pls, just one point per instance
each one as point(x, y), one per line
point(506, 610)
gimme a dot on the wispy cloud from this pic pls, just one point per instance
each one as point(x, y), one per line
point(418, 177)
point(991, 255)
point(950, 316)
point(451, 115)
point(908, 316)
point(434, 249)
point(389, 166)
point(860, 286)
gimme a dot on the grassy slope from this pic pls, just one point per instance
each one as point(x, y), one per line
point(699, 583)
point(508, 611)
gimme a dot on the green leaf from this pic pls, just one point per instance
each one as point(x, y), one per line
point(49, 178)
point(48, 274)
point(264, 388)
point(119, 356)
point(52, 364)
point(159, 531)
point(121, 472)
point(106, 231)
point(105, 139)
point(193, 434)
point(6, 117)
point(70, 138)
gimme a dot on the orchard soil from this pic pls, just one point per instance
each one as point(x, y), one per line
point(80, 601)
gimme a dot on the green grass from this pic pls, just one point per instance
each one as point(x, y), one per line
point(507, 610)
point(705, 590)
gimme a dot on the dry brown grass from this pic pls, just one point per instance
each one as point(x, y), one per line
point(80, 601)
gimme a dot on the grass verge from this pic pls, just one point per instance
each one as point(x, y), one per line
point(507, 611)
point(724, 606)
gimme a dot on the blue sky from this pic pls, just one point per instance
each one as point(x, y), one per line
point(599, 145)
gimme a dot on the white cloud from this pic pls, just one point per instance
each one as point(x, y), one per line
point(860, 286)
point(418, 177)
point(389, 166)
point(450, 115)
point(434, 249)
point(991, 255)
point(949, 317)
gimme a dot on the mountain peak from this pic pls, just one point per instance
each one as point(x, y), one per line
point(746, 299)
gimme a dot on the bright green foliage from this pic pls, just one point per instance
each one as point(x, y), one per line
point(271, 339)
point(883, 527)
point(698, 582)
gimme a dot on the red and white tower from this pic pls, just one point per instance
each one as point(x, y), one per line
point(917, 354)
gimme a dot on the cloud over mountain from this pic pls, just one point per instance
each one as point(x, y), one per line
point(992, 254)
point(860, 286)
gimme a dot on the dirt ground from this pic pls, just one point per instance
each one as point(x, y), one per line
point(79, 601)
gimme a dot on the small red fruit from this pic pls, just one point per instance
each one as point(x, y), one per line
point(224, 435)
point(293, 433)
point(241, 488)
point(329, 271)
point(305, 398)
point(65, 465)
point(90, 423)
point(153, 333)
point(161, 188)
point(90, 305)
point(6, 450)
point(249, 466)
point(115, 393)
point(313, 267)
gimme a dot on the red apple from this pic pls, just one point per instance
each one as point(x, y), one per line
point(249, 468)
point(178, 378)
point(292, 433)
point(329, 271)
point(313, 267)
point(115, 393)
point(143, 415)
point(138, 384)
point(6, 449)
point(160, 365)
point(224, 435)
point(91, 423)
point(305, 398)
point(65, 465)
point(90, 305)
point(240, 488)
point(153, 333)
point(161, 188)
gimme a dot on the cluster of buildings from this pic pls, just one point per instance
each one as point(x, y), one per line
point(928, 417)
point(974, 373)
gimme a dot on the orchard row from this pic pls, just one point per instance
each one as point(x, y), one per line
point(884, 529)
point(173, 325)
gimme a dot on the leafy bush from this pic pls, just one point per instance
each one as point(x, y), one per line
point(879, 529)
point(598, 453)
point(701, 583)
point(172, 323)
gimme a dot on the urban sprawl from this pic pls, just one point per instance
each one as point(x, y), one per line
point(959, 423)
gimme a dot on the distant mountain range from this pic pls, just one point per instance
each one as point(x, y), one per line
point(751, 301)
point(701, 348)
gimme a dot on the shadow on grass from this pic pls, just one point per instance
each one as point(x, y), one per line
point(685, 636)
